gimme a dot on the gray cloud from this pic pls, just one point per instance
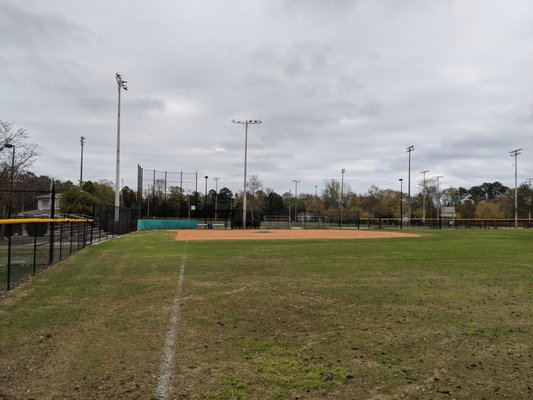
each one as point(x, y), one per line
point(338, 84)
point(24, 29)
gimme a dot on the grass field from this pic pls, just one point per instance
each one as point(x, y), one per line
point(447, 315)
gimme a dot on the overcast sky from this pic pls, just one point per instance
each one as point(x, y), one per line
point(337, 84)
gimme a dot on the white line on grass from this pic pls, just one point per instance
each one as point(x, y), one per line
point(166, 372)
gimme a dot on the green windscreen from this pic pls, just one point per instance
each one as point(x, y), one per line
point(150, 224)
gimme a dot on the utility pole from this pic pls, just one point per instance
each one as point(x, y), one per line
point(82, 142)
point(424, 196)
point(409, 150)
point(515, 154)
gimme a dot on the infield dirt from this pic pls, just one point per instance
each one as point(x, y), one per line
point(283, 234)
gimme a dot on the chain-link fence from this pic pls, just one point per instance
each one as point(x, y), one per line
point(332, 219)
point(31, 245)
point(35, 234)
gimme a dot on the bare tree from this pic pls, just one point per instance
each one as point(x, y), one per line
point(331, 193)
point(25, 154)
point(254, 185)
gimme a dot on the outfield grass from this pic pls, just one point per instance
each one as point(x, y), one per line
point(446, 315)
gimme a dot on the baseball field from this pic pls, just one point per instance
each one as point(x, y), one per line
point(165, 315)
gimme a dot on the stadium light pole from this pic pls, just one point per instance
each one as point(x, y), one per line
point(424, 196)
point(515, 154)
point(82, 143)
point(409, 150)
point(121, 84)
point(296, 181)
point(245, 123)
point(342, 192)
point(401, 203)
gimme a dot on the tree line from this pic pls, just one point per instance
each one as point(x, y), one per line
point(487, 200)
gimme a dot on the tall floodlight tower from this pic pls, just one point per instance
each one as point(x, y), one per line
point(121, 84)
point(409, 150)
point(82, 142)
point(515, 154)
point(245, 123)
point(424, 196)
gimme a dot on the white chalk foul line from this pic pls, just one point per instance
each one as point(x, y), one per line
point(166, 372)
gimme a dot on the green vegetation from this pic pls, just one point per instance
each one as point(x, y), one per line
point(444, 315)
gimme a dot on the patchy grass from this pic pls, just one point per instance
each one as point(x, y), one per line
point(447, 315)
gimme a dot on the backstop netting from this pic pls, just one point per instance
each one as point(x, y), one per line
point(164, 194)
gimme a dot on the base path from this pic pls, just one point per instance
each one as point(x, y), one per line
point(266, 234)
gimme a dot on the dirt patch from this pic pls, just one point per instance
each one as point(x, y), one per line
point(262, 234)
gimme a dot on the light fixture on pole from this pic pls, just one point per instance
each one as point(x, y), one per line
point(245, 123)
point(82, 142)
point(401, 203)
point(424, 196)
point(296, 181)
point(121, 84)
point(342, 193)
point(515, 154)
point(409, 150)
